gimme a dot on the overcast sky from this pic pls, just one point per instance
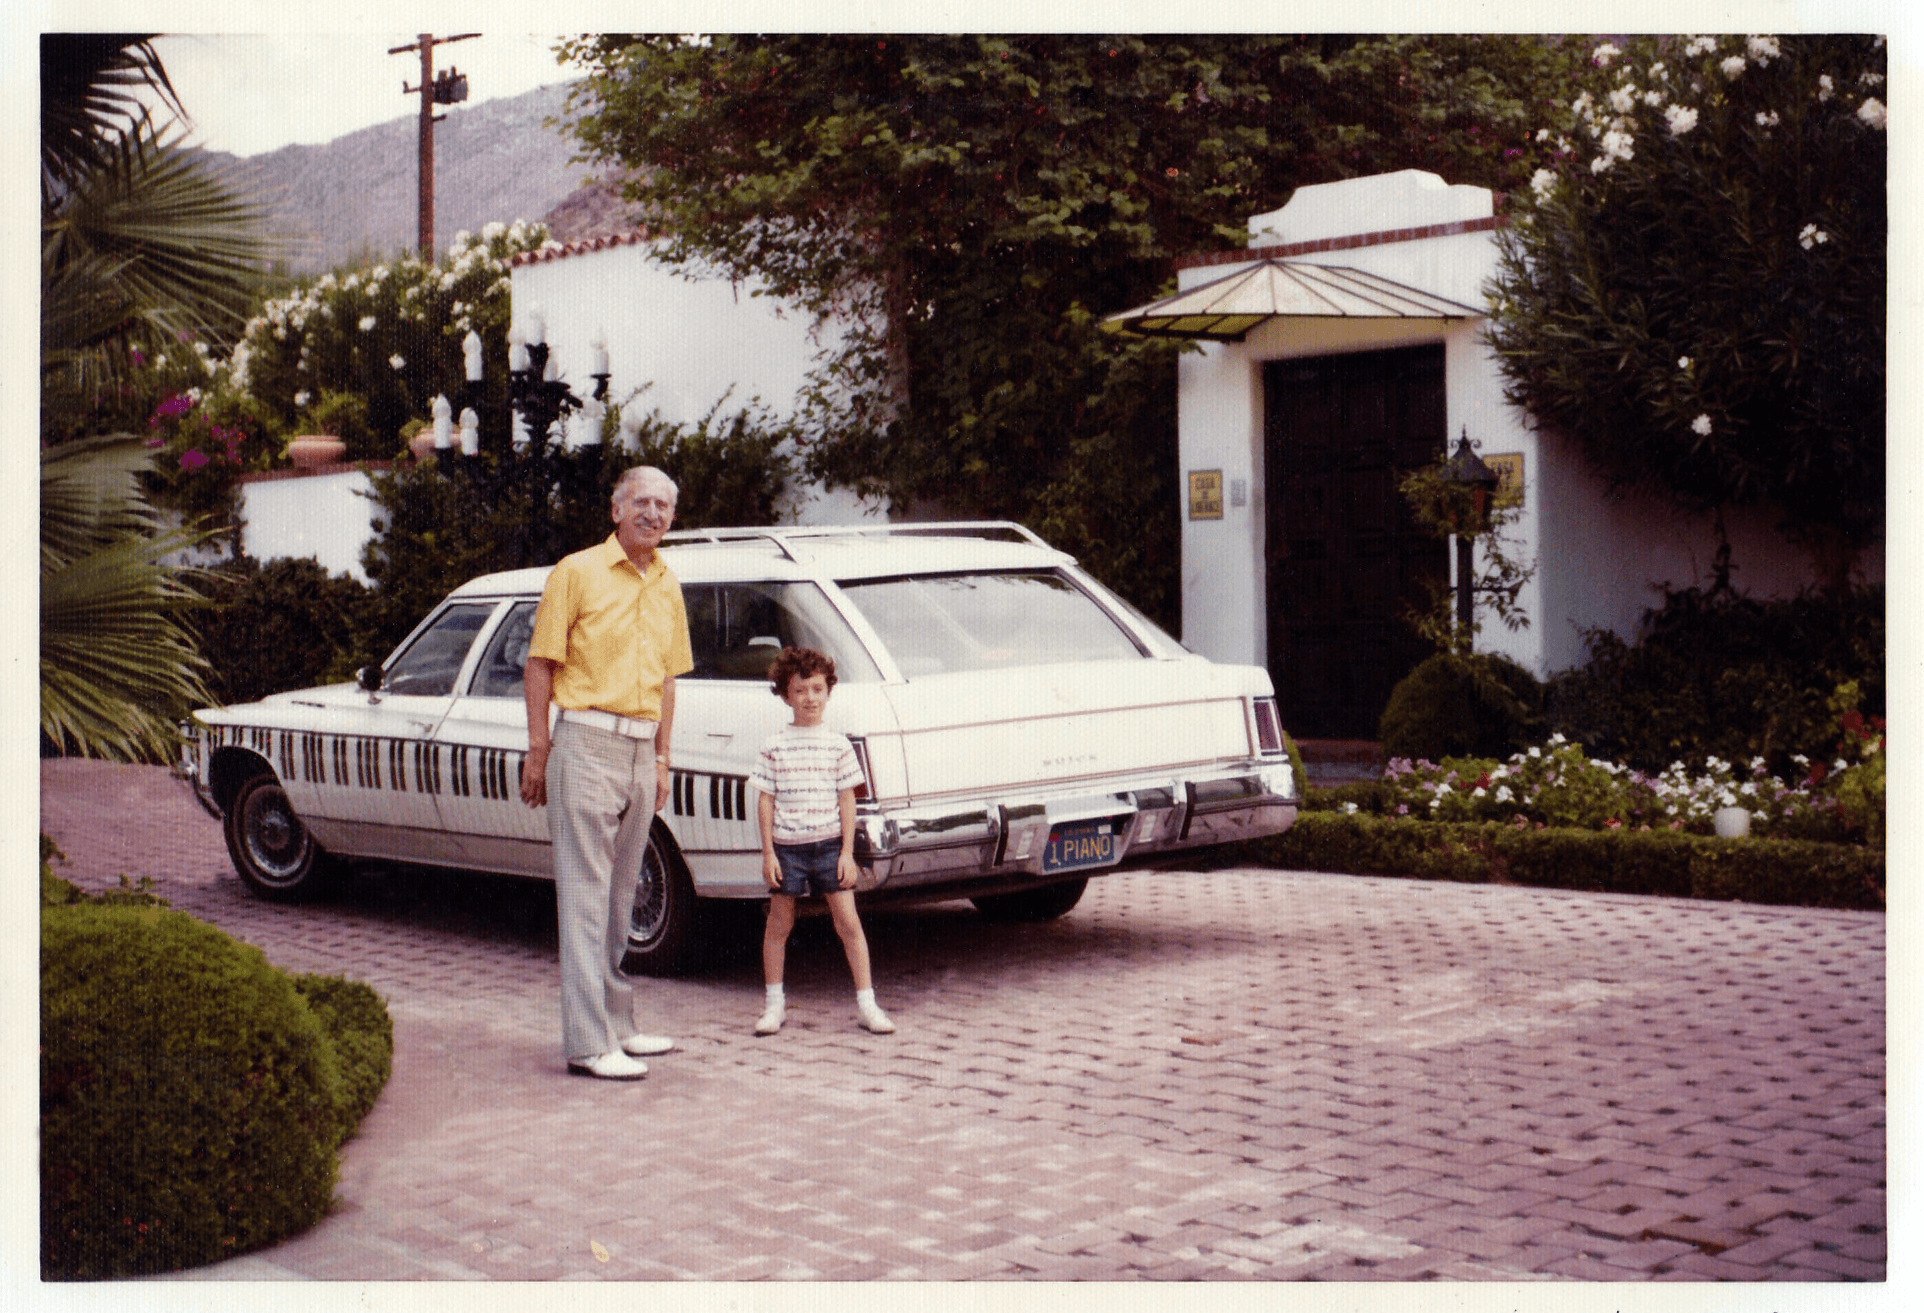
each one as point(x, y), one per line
point(250, 94)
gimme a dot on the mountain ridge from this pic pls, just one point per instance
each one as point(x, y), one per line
point(354, 198)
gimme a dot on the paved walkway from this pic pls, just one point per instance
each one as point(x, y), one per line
point(1226, 1075)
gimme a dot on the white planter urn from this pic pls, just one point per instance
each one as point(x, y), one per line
point(1731, 822)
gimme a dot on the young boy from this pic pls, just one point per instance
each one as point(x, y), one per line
point(806, 777)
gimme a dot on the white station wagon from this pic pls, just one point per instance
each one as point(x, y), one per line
point(1021, 729)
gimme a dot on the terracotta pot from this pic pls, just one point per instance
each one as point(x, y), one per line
point(312, 449)
point(422, 445)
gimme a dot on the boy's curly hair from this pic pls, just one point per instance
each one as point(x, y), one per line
point(799, 663)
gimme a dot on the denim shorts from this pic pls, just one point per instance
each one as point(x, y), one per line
point(809, 868)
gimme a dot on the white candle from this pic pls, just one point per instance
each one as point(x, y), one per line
point(600, 346)
point(443, 422)
point(517, 351)
point(470, 433)
point(471, 355)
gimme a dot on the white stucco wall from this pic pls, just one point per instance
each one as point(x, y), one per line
point(328, 517)
point(1598, 558)
point(676, 345)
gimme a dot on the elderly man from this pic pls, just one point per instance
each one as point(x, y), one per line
point(610, 636)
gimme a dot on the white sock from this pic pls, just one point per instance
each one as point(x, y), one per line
point(864, 998)
point(775, 992)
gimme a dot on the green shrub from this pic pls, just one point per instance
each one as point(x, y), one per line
point(1479, 705)
point(189, 1099)
point(362, 1033)
point(279, 625)
point(1717, 674)
point(1780, 871)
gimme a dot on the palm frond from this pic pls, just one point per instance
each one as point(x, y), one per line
point(91, 496)
point(88, 82)
point(117, 670)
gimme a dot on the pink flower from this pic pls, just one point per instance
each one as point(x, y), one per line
point(192, 459)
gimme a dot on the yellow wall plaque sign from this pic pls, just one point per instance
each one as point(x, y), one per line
point(1509, 472)
point(1205, 494)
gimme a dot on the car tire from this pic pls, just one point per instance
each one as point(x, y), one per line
point(1031, 905)
point(663, 929)
point(270, 845)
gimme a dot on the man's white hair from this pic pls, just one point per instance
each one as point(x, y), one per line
point(641, 474)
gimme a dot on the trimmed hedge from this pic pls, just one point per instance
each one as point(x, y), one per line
point(1782, 871)
point(193, 1097)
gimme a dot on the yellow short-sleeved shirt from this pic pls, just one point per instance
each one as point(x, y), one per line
point(618, 633)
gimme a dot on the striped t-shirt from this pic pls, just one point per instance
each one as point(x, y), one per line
point(804, 770)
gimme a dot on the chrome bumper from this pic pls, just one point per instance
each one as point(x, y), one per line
point(904, 847)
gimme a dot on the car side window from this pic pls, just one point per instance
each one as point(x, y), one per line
point(428, 665)
point(506, 655)
point(736, 630)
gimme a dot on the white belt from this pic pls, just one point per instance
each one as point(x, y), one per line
point(633, 727)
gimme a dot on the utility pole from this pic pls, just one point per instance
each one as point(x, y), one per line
point(448, 89)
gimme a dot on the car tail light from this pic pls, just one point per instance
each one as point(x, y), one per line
point(1269, 727)
point(866, 789)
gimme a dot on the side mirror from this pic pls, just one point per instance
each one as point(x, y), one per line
point(369, 678)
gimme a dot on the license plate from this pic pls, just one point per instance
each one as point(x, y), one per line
point(1080, 844)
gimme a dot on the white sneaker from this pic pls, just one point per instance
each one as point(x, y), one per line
point(647, 1046)
point(874, 1019)
point(771, 1020)
point(612, 1065)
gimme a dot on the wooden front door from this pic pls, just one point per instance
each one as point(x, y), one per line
point(1346, 563)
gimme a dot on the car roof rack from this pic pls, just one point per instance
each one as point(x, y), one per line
point(782, 536)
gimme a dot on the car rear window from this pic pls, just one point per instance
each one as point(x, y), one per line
point(933, 624)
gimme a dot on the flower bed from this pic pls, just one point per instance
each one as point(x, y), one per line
point(1559, 785)
point(1555, 817)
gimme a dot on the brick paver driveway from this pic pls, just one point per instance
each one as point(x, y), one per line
point(1223, 1074)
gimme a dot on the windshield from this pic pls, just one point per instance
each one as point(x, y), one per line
point(934, 624)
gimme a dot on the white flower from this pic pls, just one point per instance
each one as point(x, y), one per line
point(351, 282)
point(397, 362)
point(1872, 111)
point(1683, 362)
point(1811, 236)
point(1825, 87)
point(1604, 53)
point(1543, 182)
point(1479, 793)
point(1623, 99)
point(1503, 793)
point(1767, 118)
point(1658, 71)
point(1682, 119)
point(302, 397)
point(493, 230)
point(1700, 45)
point(1582, 105)
point(1870, 78)
point(1701, 425)
point(1349, 809)
point(1733, 66)
point(1763, 49)
point(1536, 752)
point(1653, 98)
point(367, 323)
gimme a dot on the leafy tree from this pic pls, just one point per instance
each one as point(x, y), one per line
point(140, 248)
point(968, 206)
point(1694, 288)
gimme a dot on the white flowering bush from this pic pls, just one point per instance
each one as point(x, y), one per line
point(1559, 784)
point(1693, 286)
point(389, 334)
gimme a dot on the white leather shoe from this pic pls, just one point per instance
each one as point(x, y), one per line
point(647, 1046)
point(771, 1020)
point(874, 1019)
point(612, 1065)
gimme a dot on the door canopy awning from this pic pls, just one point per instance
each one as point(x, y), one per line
point(1225, 310)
